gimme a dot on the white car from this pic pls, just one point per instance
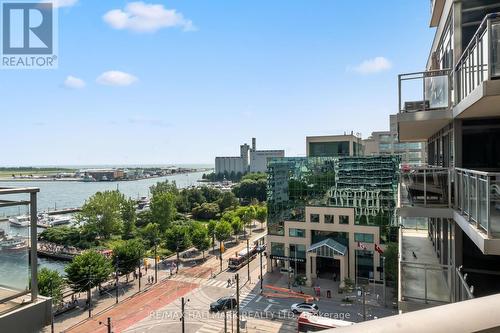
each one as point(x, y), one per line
point(304, 307)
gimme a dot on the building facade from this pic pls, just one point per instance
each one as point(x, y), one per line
point(260, 158)
point(457, 113)
point(327, 215)
point(250, 160)
point(387, 143)
point(334, 145)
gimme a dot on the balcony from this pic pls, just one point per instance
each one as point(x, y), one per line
point(424, 104)
point(437, 7)
point(425, 192)
point(477, 205)
point(477, 72)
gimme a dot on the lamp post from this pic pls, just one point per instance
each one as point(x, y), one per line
point(383, 277)
point(248, 258)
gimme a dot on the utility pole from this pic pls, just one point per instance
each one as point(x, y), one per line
point(140, 273)
point(109, 325)
point(383, 272)
point(237, 277)
point(182, 315)
point(116, 281)
point(89, 292)
point(51, 309)
point(248, 258)
point(225, 319)
point(220, 255)
point(261, 276)
point(156, 263)
point(364, 303)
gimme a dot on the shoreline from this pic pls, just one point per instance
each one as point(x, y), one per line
point(10, 179)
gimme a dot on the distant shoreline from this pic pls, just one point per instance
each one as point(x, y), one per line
point(10, 179)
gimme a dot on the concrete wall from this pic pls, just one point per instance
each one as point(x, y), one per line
point(259, 158)
point(30, 317)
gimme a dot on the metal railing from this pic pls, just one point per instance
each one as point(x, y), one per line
point(423, 91)
point(477, 196)
point(464, 291)
point(427, 186)
point(430, 283)
point(480, 60)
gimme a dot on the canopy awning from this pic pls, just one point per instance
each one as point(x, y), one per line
point(328, 248)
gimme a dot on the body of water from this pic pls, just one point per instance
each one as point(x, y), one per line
point(14, 268)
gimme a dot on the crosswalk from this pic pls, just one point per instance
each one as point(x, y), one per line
point(217, 325)
point(203, 281)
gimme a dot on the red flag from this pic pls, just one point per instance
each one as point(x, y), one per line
point(361, 245)
point(378, 249)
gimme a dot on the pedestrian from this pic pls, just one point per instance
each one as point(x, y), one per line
point(228, 282)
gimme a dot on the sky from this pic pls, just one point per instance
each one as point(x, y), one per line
point(166, 82)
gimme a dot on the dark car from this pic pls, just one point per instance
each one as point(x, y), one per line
point(223, 303)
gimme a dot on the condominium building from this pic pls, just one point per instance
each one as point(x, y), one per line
point(387, 143)
point(334, 145)
point(331, 217)
point(456, 111)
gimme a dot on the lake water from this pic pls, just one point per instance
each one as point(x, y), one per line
point(66, 194)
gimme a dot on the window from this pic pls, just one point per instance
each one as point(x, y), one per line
point(364, 238)
point(301, 250)
point(343, 219)
point(297, 232)
point(315, 218)
point(277, 249)
point(329, 219)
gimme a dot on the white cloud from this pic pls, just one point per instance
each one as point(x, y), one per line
point(143, 17)
point(372, 66)
point(74, 82)
point(63, 3)
point(116, 78)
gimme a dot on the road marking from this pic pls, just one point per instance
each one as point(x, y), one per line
point(258, 299)
point(267, 307)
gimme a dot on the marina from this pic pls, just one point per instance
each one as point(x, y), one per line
point(57, 201)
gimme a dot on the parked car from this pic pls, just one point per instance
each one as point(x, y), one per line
point(223, 303)
point(298, 308)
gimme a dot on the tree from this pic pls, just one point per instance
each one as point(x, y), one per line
point(127, 255)
point(206, 211)
point(151, 234)
point(50, 284)
point(88, 270)
point(200, 238)
point(177, 239)
point(164, 187)
point(163, 209)
point(249, 189)
point(223, 231)
point(227, 200)
point(211, 231)
point(237, 226)
point(129, 218)
point(391, 262)
point(261, 215)
point(211, 194)
point(248, 217)
point(102, 214)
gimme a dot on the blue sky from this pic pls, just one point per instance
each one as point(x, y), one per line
point(145, 84)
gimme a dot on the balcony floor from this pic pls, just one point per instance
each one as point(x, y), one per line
point(413, 279)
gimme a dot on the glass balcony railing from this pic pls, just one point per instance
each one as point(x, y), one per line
point(478, 198)
point(480, 60)
point(424, 91)
point(426, 186)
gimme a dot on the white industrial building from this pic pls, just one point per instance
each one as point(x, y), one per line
point(250, 160)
